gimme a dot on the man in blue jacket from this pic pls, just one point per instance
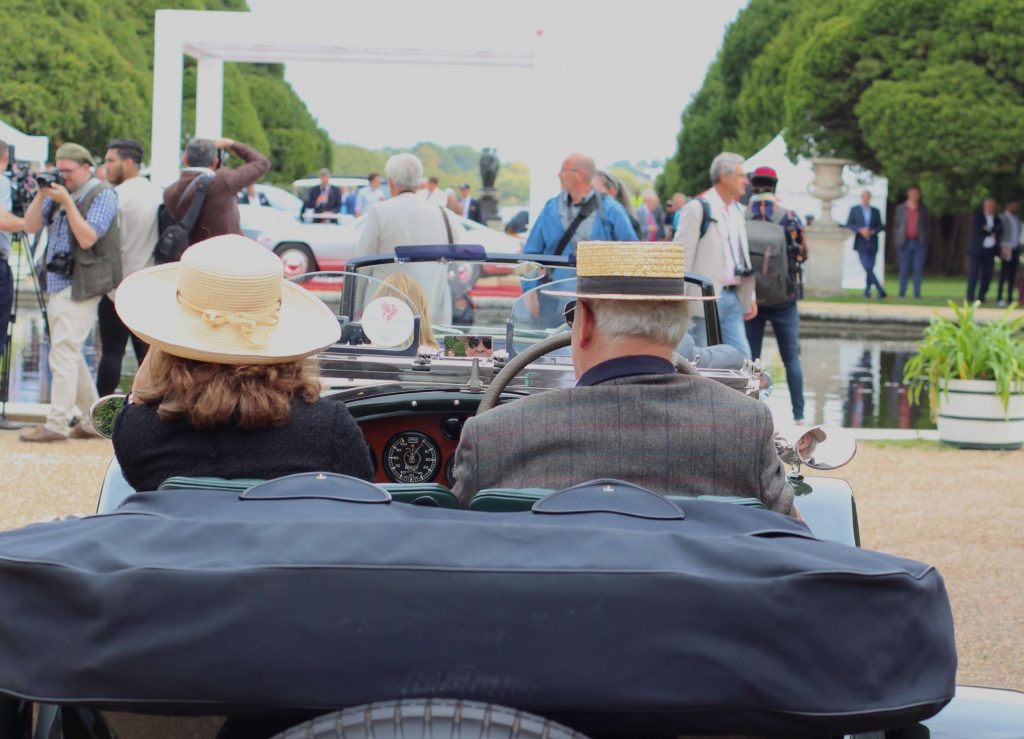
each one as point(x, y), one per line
point(578, 213)
point(866, 222)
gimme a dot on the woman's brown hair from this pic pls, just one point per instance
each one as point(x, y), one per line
point(207, 395)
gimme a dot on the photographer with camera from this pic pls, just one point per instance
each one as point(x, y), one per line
point(219, 214)
point(9, 223)
point(83, 261)
point(713, 233)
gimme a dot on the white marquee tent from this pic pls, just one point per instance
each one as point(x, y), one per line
point(26, 148)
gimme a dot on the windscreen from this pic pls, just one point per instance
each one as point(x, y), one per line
point(469, 300)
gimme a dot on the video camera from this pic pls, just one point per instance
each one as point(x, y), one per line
point(50, 177)
point(23, 187)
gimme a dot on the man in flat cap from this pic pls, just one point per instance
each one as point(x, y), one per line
point(83, 261)
point(632, 415)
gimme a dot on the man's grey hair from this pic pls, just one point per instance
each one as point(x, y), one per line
point(200, 152)
point(724, 163)
point(662, 321)
point(404, 171)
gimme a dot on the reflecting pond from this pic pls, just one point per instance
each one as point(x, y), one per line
point(851, 383)
point(848, 382)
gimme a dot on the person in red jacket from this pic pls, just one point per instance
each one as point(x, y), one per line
point(219, 215)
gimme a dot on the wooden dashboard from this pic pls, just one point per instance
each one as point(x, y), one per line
point(414, 448)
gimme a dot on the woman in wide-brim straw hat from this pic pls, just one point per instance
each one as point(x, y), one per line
point(226, 389)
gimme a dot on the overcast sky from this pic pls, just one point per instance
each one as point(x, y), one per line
point(620, 72)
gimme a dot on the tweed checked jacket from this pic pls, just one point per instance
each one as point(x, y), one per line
point(674, 434)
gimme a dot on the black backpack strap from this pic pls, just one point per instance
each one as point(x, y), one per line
point(586, 210)
point(200, 184)
point(705, 219)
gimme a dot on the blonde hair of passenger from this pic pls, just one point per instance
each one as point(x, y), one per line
point(406, 288)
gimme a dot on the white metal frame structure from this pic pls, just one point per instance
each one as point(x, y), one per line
point(215, 37)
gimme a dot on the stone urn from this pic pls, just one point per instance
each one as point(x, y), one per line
point(827, 186)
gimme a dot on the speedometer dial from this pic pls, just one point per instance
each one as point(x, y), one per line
point(411, 457)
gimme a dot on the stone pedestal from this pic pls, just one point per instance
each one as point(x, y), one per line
point(489, 205)
point(823, 272)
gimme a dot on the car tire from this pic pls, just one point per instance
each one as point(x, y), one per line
point(297, 258)
point(429, 717)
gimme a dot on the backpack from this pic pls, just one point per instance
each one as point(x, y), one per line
point(705, 218)
point(769, 258)
point(174, 233)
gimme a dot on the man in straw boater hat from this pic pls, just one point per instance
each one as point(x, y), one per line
point(632, 415)
point(225, 389)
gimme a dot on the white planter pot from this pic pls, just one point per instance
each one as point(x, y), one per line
point(972, 416)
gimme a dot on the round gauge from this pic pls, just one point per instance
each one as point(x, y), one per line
point(449, 471)
point(411, 457)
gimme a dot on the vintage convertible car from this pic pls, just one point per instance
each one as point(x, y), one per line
point(411, 372)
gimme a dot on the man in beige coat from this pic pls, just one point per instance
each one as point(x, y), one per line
point(405, 219)
point(721, 254)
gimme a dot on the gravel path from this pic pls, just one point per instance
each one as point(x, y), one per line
point(962, 511)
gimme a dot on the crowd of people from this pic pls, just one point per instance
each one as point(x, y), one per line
point(327, 201)
point(736, 234)
point(994, 236)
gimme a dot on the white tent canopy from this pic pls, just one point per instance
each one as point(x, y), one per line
point(26, 148)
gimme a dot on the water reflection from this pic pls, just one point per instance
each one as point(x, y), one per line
point(30, 368)
point(851, 383)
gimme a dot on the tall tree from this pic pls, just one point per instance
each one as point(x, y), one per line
point(81, 71)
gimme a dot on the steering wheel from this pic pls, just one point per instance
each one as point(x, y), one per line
point(534, 352)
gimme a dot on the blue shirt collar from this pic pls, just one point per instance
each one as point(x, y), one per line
point(613, 369)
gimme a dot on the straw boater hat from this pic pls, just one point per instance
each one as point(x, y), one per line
point(226, 302)
point(629, 270)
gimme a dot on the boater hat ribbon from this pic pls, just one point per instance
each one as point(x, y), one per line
point(246, 321)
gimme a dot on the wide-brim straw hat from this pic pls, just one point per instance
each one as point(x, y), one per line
point(630, 270)
point(226, 302)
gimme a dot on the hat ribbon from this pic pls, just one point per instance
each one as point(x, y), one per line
point(245, 321)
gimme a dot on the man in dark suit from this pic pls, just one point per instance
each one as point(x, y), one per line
point(631, 415)
point(470, 205)
point(323, 199)
point(911, 236)
point(986, 232)
point(866, 223)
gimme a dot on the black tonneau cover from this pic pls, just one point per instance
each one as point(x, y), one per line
point(647, 620)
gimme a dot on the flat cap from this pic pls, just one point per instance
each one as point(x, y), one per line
point(74, 152)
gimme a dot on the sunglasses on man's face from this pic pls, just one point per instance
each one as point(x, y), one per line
point(475, 341)
point(569, 312)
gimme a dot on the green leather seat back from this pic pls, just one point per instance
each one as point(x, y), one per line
point(181, 482)
point(407, 492)
point(507, 500)
point(510, 500)
point(401, 492)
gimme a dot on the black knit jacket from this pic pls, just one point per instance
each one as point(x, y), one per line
point(320, 436)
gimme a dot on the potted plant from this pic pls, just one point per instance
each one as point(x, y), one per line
point(975, 378)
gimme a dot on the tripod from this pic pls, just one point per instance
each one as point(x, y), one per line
point(5, 360)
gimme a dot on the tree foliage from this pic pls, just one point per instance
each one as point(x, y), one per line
point(921, 91)
point(81, 70)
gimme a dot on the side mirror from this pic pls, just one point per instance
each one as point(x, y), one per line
point(529, 271)
point(104, 411)
point(826, 448)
